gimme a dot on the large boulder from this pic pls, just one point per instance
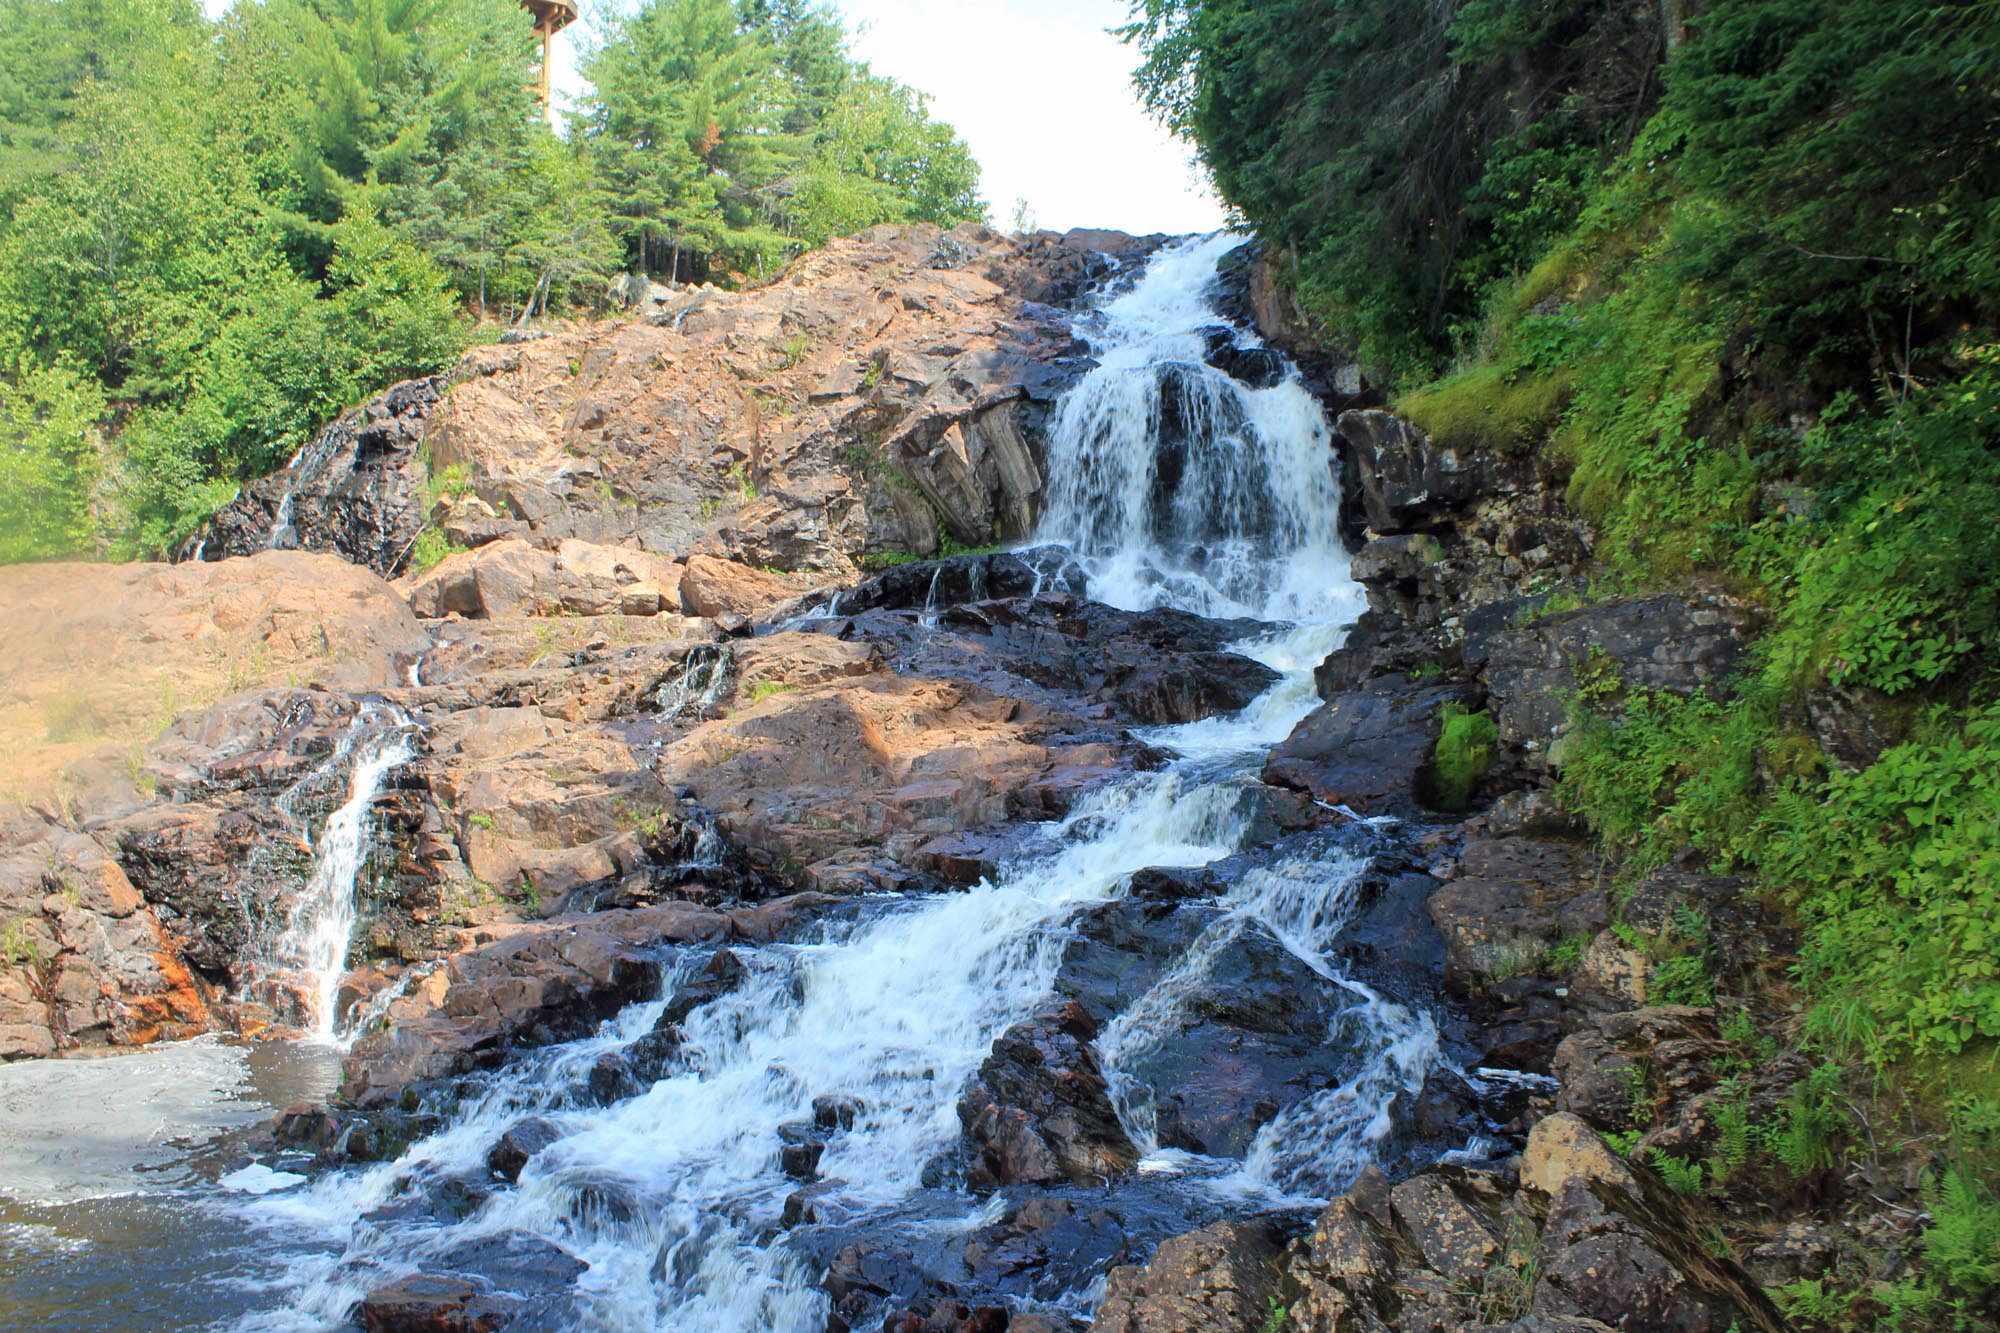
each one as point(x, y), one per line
point(1038, 1110)
point(1514, 899)
point(1221, 1277)
point(1679, 643)
point(1368, 749)
point(1408, 480)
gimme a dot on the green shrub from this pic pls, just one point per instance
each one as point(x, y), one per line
point(1962, 1242)
point(1464, 752)
point(429, 551)
point(1892, 872)
point(49, 463)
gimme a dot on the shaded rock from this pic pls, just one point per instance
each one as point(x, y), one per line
point(1364, 749)
point(612, 1079)
point(1854, 724)
point(1513, 899)
point(1038, 1109)
point(1408, 480)
point(1801, 1250)
point(1672, 642)
point(519, 1263)
point(354, 490)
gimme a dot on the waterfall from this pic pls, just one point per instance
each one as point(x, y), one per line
point(1177, 485)
point(1174, 485)
point(315, 943)
point(691, 692)
point(308, 461)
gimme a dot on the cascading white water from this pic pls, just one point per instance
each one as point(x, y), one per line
point(315, 942)
point(698, 686)
point(1174, 486)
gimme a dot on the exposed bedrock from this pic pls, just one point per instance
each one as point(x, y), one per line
point(889, 385)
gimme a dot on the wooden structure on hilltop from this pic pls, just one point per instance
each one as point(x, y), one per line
point(551, 17)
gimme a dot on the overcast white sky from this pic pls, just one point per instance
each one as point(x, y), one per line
point(1039, 88)
point(1043, 93)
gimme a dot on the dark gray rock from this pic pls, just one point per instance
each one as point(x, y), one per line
point(1672, 642)
point(1409, 481)
point(1512, 900)
point(522, 1140)
point(351, 491)
point(1367, 748)
point(1038, 1110)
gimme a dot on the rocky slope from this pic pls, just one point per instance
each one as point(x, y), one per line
point(886, 391)
point(651, 743)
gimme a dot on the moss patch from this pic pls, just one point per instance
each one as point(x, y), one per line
point(1464, 752)
point(1504, 410)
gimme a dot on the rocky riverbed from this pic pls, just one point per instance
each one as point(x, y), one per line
point(1068, 935)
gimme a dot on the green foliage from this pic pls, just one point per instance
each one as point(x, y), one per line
point(1463, 753)
point(1662, 771)
point(1504, 410)
point(1894, 584)
point(1679, 1174)
point(19, 946)
point(1733, 1141)
point(49, 463)
point(1962, 1242)
point(1811, 1300)
point(429, 551)
point(1892, 870)
point(1275, 1317)
point(730, 136)
point(764, 689)
point(1812, 1124)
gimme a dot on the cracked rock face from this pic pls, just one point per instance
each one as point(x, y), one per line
point(890, 385)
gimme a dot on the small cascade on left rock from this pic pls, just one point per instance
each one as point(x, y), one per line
point(311, 953)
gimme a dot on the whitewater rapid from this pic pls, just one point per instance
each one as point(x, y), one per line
point(1172, 485)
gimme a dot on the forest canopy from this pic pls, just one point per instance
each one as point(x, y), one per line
point(216, 235)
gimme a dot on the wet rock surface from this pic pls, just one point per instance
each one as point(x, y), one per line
point(651, 768)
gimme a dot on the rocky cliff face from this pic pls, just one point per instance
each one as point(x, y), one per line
point(886, 390)
point(652, 741)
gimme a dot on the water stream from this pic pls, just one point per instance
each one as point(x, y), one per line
point(311, 952)
point(1173, 485)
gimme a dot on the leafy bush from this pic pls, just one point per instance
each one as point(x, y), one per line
point(49, 463)
point(1892, 870)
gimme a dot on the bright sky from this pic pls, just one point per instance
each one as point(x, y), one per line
point(1041, 91)
point(1039, 88)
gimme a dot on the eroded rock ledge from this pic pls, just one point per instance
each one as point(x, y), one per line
point(886, 387)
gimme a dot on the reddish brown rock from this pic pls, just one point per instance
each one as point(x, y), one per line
point(711, 587)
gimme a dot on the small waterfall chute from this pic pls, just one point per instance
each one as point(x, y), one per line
point(314, 945)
